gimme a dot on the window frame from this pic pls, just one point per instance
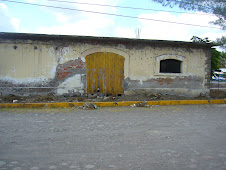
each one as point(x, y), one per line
point(166, 66)
point(183, 67)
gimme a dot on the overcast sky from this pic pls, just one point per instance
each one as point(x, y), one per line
point(35, 19)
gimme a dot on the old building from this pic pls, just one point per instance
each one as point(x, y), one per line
point(60, 64)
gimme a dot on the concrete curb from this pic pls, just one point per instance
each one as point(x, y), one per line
point(109, 104)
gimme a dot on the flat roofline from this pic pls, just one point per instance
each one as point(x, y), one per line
point(33, 36)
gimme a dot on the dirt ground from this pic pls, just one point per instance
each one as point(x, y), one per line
point(214, 94)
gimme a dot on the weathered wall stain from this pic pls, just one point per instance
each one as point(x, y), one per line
point(189, 82)
point(39, 64)
point(162, 81)
point(63, 71)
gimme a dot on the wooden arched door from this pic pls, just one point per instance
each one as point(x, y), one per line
point(105, 73)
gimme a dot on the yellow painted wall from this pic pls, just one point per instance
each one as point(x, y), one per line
point(27, 64)
point(27, 61)
point(143, 62)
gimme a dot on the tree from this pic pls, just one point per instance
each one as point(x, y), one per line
point(216, 7)
point(217, 56)
point(200, 40)
point(223, 60)
point(215, 60)
point(221, 42)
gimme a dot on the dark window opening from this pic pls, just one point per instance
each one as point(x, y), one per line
point(170, 66)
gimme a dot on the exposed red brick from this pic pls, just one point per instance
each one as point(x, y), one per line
point(63, 75)
point(65, 70)
point(164, 81)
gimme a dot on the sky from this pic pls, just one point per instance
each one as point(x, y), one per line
point(36, 19)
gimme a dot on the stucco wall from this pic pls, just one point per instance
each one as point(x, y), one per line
point(145, 65)
point(39, 67)
point(27, 61)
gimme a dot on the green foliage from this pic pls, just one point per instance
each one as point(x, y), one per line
point(200, 40)
point(221, 42)
point(217, 56)
point(222, 60)
point(217, 7)
point(215, 60)
point(221, 22)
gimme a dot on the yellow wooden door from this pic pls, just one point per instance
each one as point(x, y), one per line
point(105, 73)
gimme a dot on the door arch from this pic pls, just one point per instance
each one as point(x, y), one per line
point(104, 73)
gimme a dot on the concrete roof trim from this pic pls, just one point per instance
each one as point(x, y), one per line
point(31, 36)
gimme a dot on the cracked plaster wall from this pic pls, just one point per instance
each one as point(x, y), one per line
point(60, 67)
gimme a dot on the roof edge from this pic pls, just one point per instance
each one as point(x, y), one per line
point(35, 36)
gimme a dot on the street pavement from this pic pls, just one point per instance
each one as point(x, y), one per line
point(159, 137)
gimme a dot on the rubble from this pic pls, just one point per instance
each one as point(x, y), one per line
point(15, 101)
point(214, 94)
point(92, 96)
point(141, 104)
point(88, 106)
point(156, 96)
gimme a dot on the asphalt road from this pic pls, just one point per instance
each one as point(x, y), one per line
point(161, 137)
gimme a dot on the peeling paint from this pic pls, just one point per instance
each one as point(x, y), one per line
point(53, 70)
point(23, 80)
point(71, 85)
point(190, 82)
point(83, 59)
point(58, 62)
